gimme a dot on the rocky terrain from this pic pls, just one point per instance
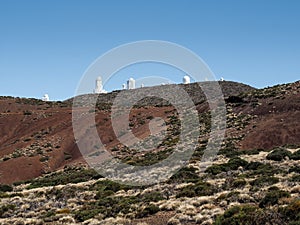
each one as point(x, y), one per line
point(253, 180)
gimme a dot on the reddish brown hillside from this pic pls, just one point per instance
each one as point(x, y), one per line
point(37, 137)
point(278, 118)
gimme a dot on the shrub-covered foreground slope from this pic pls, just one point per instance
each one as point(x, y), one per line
point(254, 179)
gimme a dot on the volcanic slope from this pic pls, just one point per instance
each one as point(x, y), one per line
point(254, 178)
point(36, 137)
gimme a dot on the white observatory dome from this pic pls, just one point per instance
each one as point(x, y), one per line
point(186, 79)
point(99, 86)
point(131, 83)
point(46, 98)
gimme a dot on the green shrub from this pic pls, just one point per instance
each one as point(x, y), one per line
point(238, 215)
point(198, 189)
point(295, 169)
point(252, 152)
point(229, 152)
point(185, 174)
point(198, 153)
point(233, 164)
point(238, 183)
point(295, 178)
point(6, 208)
point(254, 165)
point(150, 158)
point(236, 162)
point(258, 168)
point(85, 214)
point(108, 185)
point(264, 180)
point(296, 155)
point(279, 154)
point(152, 197)
point(294, 222)
point(248, 215)
point(232, 196)
point(215, 169)
point(76, 175)
point(11, 195)
point(5, 188)
point(103, 194)
point(272, 197)
point(148, 210)
point(110, 206)
point(48, 214)
point(292, 211)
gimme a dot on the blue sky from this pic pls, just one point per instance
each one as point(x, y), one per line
point(45, 46)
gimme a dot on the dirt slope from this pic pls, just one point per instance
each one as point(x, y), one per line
point(37, 137)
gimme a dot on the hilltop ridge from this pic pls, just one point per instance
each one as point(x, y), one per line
point(37, 136)
point(45, 180)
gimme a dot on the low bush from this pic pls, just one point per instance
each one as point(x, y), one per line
point(11, 195)
point(198, 189)
point(279, 154)
point(272, 197)
point(148, 210)
point(75, 175)
point(108, 185)
point(86, 213)
point(198, 153)
point(150, 158)
point(238, 215)
point(251, 214)
point(295, 169)
point(185, 174)
point(258, 168)
point(111, 206)
point(238, 183)
point(152, 197)
point(229, 152)
point(292, 212)
point(233, 164)
point(264, 180)
point(295, 178)
point(236, 162)
point(254, 165)
point(215, 169)
point(6, 208)
point(296, 155)
point(5, 188)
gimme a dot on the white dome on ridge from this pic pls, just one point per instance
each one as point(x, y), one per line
point(186, 79)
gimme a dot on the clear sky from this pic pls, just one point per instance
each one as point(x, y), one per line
point(45, 46)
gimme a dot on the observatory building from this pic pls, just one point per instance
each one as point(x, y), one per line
point(99, 87)
point(186, 79)
point(131, 84)
point(45, 98)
